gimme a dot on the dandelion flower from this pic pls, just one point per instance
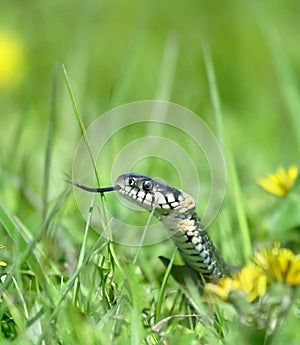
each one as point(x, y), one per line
point(279, 183)
point(11, 59)
point(2, 263)
point(279, 264)
point(251, 282)
point(269, 266)
point(223, 288)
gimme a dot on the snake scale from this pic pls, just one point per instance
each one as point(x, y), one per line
point(176, 210)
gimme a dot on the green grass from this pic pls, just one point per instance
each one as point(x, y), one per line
point(236, 67)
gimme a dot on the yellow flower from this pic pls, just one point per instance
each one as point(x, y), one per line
point(250, 281)
point(253, 282)
point(280, 183)
point(2, 263)
point(223, 288)
point(11, 59)
point(279, 264)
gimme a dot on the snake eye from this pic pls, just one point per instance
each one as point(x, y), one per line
point(147, 185)
point(131, 181)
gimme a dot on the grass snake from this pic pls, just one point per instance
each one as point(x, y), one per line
point(176, 210)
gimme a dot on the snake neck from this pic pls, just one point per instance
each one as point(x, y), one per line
point(176, 210)
point(193, 242)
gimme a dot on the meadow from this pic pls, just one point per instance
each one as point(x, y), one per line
point(65, 66)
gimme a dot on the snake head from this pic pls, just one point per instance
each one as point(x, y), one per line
point(150, 193)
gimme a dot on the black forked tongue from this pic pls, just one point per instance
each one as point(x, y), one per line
point(95, 189)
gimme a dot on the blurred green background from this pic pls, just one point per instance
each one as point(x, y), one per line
point(113, 52)
point(117, 52)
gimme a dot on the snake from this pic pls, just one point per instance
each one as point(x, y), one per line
point(177, 212)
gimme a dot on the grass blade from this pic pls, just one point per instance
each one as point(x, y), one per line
point(83, 246)
point(225, 142)
point(79, 121)
point(49, 145)
point(8, 224)
point(163, 287)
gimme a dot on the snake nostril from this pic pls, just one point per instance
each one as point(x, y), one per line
point(131, 181)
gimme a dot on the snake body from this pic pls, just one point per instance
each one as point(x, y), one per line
point(176, 210)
